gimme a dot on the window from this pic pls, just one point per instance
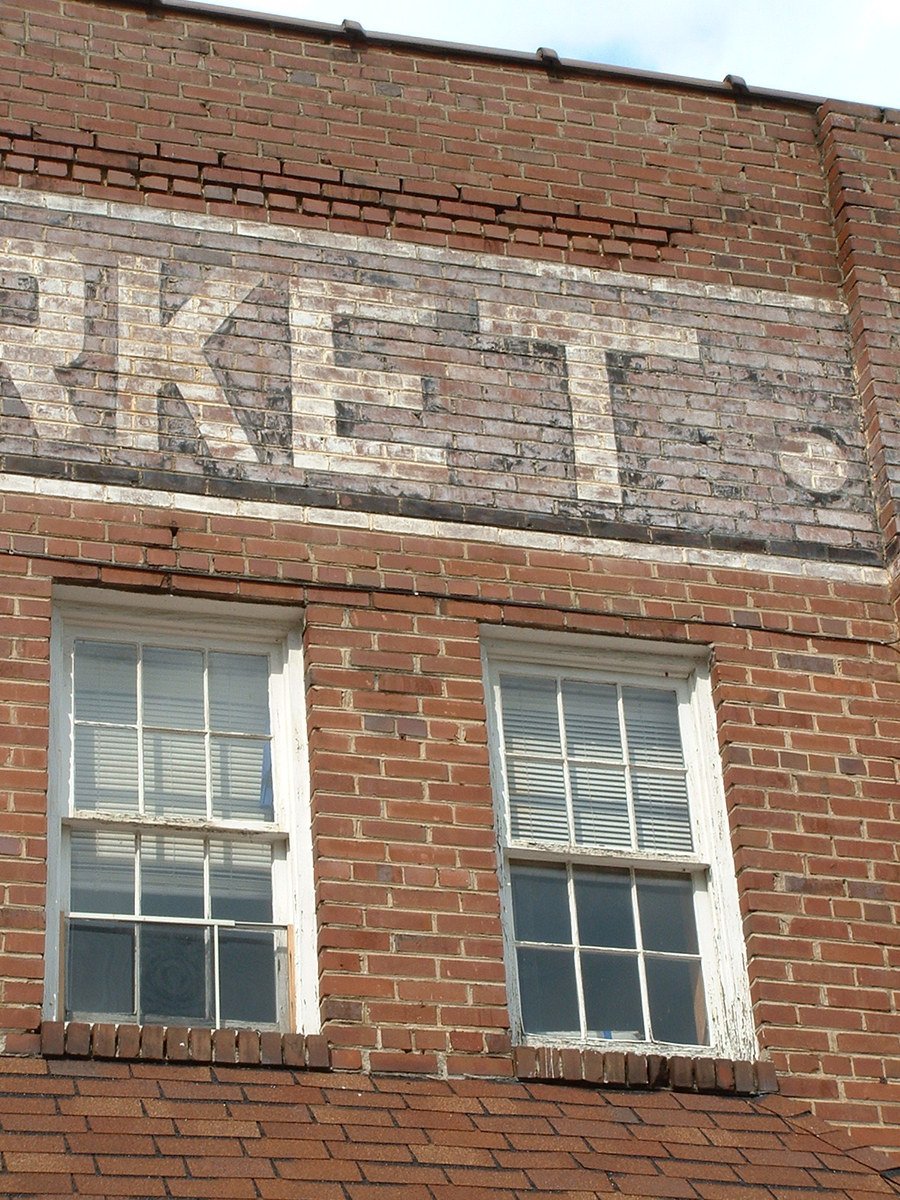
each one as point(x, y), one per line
point(619, 898)
point(178, 856)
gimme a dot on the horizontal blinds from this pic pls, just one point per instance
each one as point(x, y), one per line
point(594, 764)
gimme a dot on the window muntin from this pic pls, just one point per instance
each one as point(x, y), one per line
point(176, 854)
point(608, 796)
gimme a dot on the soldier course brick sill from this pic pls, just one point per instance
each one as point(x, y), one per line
point(646, 1071)
point(170, 1043)
point(160, 1043)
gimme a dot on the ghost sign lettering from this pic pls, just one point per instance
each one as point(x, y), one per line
point(194, 353)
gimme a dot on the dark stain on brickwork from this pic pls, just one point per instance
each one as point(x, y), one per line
point(91, 378)
point(250, 355)
point(18, 299)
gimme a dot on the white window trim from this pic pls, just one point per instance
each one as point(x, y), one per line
point(720, 933)
point(269, 629)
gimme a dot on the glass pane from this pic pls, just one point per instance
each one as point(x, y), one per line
point(105, 682)
point(600, 806)
point(171, 877)
point(666, 905)
point(651, 723)
point(102, 872)
point(677, 1005)
point(247, 988)
point(241, 778)
point(173, 688)
point(239, 693)
point(106, 769)
point(530, 716)
point(240, 880)
point(547, 990)
point(603, 904)
point(100, 969)
point(661, 812)
point(540, 897)
point(591, 718)
point(174, 775)
point(612, 995)
point(174, 974)
point(537, 800)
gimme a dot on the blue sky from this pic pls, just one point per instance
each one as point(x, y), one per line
point(846, 50)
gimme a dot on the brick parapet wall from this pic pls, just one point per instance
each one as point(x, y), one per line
point(806, 687)
point(200, 114)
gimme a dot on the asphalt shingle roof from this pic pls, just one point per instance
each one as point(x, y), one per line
point(116, 1129)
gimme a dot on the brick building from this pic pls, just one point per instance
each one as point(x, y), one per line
point(449, 694)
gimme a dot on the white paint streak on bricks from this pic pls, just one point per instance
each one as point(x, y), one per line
point(154, 353)
point(31, 354)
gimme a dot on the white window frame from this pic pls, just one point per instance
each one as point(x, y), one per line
point(272, 630)
point(684, 669)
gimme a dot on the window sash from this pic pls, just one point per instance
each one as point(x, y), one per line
point(560, 796)
point(580, 950)
point(180, 769)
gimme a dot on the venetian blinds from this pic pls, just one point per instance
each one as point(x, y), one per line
point(594, 764)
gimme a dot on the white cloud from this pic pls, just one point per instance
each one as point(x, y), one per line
point(810, 46)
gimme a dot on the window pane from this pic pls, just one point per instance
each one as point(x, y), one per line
point(105, 682)
point(247, 990)
point(677, 1005)
point(173, 688)
point(547, 990)
point(239, 693)
point(651, 723)
point(612, 995)
point(592, 720)
point(171, 877)
point(540, 899)
point(530, 716)
point(537, 800)
point(100, 969)
point(240, 880)
point(661, 812)
point(106, 770)
point(666, 905)
point(600, 806)
point(241, 778)
point(174, 775)
point(603, 904)
point(175, 974)
point(102, 872)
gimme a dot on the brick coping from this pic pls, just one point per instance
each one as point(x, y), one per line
point(180, 1043)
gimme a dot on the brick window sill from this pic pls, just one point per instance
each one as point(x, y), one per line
point(611, 1068)
point(178, 1043)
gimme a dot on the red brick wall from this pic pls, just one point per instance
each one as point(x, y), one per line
point(411, 970)
point(226, 117)
point(231, 118)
